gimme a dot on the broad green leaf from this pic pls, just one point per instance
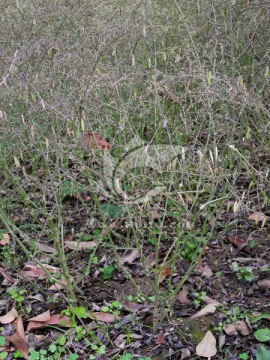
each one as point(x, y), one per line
point(69, 188)
point(112, 211)
point(260, 317)
point(262, 335)
point(108, 271)
point(262, 353)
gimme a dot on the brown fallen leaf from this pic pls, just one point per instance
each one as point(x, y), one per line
point(130, 256)
point(40, 246)
point(94, 141)
point(33, 271)
point(6, 276)
point(210, 301)
point(56, 319)
point(131, 306)
point(105, 317)
point(230, 329)
point(205, 270)
point(82, 246)
point(9, 316)
point(264, 284)
point(207, 347)
point(258, 217)
point(18, 339)
point(164, 272)
point(242, 327)
point(42, 317)
point(58, 286)
point(120, 339)
point(183, 296)
point(160, 338)
point(4, 239)
point(207, 310)
point(239, 242)
point(185, 354)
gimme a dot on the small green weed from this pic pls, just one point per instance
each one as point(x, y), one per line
point(17, 295)
point(243, 356)
point(243, 272)
point(200, 296)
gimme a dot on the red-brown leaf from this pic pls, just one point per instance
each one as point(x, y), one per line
point(94, 141)
point(9, 316)
point(164, 272)
point(160, 338)
point(18, 338)
point(183, 296)
point(239, 242)
point(57, 319)
point(105, 317)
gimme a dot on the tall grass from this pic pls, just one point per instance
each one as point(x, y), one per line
point(188, 73)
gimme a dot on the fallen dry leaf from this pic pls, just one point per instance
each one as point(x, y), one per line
point(131, 306)
point(207, 310)
point(42, 317)
point(160, 338)
point(185, 354)
point(183, 296)
point(150, 260)
point(105, 317)
point(82, 246)
point(57, 319)
point(32, 271)
point(18, 339)
point(6, 276)
point(205, 270)
point(164, 272)
point(4, 239)
point(120, 339)
point(230, 329)
point(221, 341)
point(239, 242)
point(40, 246)
point(258, 217)
point(130, 256)
point(9, 316)
point(94, 141)
point(242, 327)
point(207, 347)
point(265, 283)
point(210, 301)
point(58, 286)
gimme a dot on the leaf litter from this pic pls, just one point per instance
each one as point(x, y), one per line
point(212, 276)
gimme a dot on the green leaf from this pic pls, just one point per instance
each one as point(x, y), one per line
point(52, 348)
point(2, 340)
point(126, 357)
point(18, 355)
point(61, 340)
point(33, 354)
point(260, 317)
point(3, 355)
point(243, 356)
point(101, 350)
point(262, 353)
point(112, 211)
point(73, 357)
point(69, 188)
point(249, 277)
point(108, 271)
point(262, 335)
point(80, 312)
